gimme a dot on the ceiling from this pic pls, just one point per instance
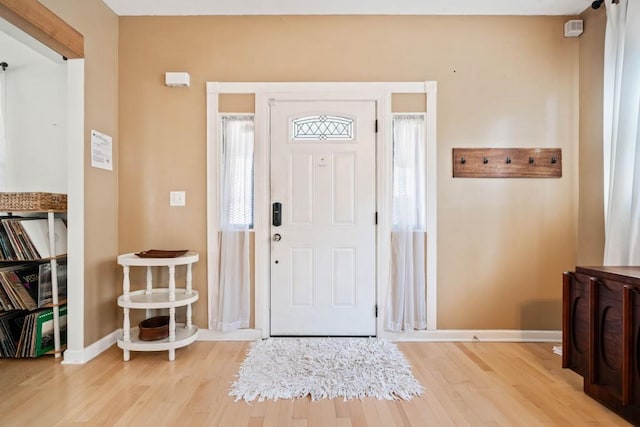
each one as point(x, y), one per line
point(19, 49)
point(13, 51)
point(347, 7)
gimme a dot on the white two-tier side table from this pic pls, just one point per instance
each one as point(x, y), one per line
point(150, 298)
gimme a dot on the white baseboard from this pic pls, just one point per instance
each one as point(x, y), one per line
point(470, 335)
point(237, 335)
point(80, 357)
point(461, 335)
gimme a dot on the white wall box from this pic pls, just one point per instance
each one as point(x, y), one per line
point(177, 79)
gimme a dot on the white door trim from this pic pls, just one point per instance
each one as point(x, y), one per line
point(380, 92)
point(213, 197)
point(75, 206)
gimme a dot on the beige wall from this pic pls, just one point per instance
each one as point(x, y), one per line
point(99, 25)
point(591, 212)
point(502, 82)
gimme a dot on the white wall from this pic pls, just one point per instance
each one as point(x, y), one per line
point(36, 117)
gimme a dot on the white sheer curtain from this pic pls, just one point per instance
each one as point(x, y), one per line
point(621, 140)
point(231, 303)
point(3, 130)
point(406, 300)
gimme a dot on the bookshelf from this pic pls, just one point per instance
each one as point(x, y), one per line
point(38, 246)
point(153, 298)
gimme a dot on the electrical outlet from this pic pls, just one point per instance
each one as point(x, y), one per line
point(177, 198)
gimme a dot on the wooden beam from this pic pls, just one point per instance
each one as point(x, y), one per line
point(43, 25)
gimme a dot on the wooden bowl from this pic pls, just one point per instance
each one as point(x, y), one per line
point(154, 328)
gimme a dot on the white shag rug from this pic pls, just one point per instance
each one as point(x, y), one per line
point(325, 368)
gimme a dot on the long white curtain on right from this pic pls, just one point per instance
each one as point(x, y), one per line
point(406, 300)
point(231, 299)
point(621, 139)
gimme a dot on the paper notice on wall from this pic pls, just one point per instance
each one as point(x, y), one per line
point(101, 150)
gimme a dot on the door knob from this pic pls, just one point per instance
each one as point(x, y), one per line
point(277, 237)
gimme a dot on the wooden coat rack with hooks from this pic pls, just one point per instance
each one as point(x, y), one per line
point(507, 163)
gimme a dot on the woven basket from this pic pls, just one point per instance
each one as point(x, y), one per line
point(32, 202)
point(154, 328)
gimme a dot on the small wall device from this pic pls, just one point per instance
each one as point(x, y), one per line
point(573, 28)
point(177, 79)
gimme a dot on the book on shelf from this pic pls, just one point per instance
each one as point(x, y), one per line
point(38, 233)
point(16, 292)
point(30, 334)
point(44, 341)
point(28, 286)
point(5, 302)
point(21, 248)
point(24, 239)
point(15, 253)
point(6, 247)
point(10, 329)
point(23, 346)
point(45, 291)
point(28, 274)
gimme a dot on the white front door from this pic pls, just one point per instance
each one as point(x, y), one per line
point(323, 175)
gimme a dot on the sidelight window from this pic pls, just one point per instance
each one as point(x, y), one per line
point(237, 172)
point(406, 303)
point(409, 175)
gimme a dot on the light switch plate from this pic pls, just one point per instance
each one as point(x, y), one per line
point(177, 198)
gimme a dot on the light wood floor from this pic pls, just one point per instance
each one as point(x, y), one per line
point(486, 384)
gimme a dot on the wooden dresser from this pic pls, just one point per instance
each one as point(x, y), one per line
point(601, 335)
